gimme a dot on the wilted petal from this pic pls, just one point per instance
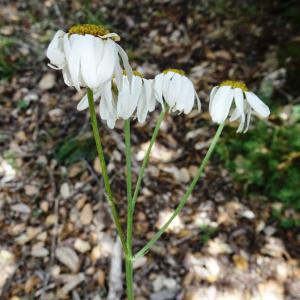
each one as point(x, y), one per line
point(55, 51)
point(259, 107)
point(107, 66)
point(221, 104)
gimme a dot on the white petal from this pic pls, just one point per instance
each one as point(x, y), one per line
point(175, 90)
point(190, 97)
point(211, 96)
point(259, 107)
point(55, 51)
point(149, 93)
point(67, 76)
point(88, 61)
point(221, 104)
point(106, 67)
point(158, 84)
point(126, 64)
point(239, 101)
point(184, 91)
point(128, 98)
point(142, 108)
point(84, 102)
point(118, 75)
point(248, 117)
point(235, 115)
point(72, 47)
point(166, 89)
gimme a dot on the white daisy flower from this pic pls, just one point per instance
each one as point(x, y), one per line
point(123, 103)
point(220, 103)
point(88, 56)
point(173, 87)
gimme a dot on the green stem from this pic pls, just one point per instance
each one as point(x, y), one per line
point(110, 198)
point(129, 278)
point(128, 258)
point(147, 156)
point(185, 197)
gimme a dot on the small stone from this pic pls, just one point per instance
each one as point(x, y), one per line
point(73, 281)
point(21, 208)
point(39, 251)
point(158, 283)
point(51, 219)
point(184, 175)
point(31, 190)
point(82, 246)
point(65, 190)
point(31, 284)
point(139, 262)
point(81, 201)
point(240, 262)
point(44, 206)
point(68, 257)
point(248, 214)
point(55, 271)
point(170, 284)
point(21, 136)
point(56, 114)
point(97, 165)
point(86, 214)
point(101, 278)
point(96, 253)
point(75, 170)
point(47, 82)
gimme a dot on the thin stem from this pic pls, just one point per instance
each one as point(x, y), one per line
point(110, 198)
point(147, 156)
point(185, 197)
point(129, 278)
point(129, 189)
point(128, 258)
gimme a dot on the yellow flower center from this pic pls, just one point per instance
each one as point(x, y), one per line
point(235, 84)
point(96, 30)
point(178, 71)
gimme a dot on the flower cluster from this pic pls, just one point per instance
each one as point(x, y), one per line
point(89, 56)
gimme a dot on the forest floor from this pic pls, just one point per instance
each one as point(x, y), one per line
point(56, 236)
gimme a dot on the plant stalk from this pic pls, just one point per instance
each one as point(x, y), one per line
point(128, 258)
point(100, 152)
point(185, 197)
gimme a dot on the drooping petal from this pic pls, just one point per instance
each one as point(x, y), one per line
point(107, 107)
point(88, 66)
point(158, 85)
point(248, 117)
point(128, 97)
point(107, 66)
point(72, 48)
point(174, 89)
point(211, 97)
point(55, 51)
point(142, 108)
point(184, 92)
point(167, 79)
point(126, 64)
point(118, 75)
point(84, 102)
point(67, 76)
point(190, 97)
point(239, 101)
point(259, 107)
point(148, 86)
point(221, 104)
